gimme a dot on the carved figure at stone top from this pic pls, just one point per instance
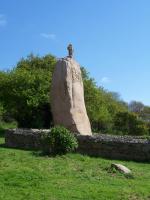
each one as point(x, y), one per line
point(70, 50)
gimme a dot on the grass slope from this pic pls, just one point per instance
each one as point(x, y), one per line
point(27, 175)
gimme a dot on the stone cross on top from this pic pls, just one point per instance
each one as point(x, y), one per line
point(70, 50)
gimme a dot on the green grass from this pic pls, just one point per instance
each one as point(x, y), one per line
point(25, 175)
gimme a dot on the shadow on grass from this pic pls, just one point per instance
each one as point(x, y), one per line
point(116, 159)
point(39, 153)
point(2, 146)
point(2, 136)
point(42, 154)
point(2, 132)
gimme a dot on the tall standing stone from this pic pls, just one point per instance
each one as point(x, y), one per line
point(68, 106)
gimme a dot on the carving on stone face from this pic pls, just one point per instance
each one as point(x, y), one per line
point(70, 50)
point(76, 76)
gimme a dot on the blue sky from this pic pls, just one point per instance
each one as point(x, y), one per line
point(111, 38)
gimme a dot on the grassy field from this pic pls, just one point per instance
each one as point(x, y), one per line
point(27, 175)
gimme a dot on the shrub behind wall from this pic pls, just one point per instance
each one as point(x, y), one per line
point(128, 124)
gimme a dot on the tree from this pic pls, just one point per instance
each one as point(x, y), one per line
point(136, 107)
point(145, 114)
point(127, 123)
point(25, 91)
point(101, 105)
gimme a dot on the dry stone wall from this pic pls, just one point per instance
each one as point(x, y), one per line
point(107, 146)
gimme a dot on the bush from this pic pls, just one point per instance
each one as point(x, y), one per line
point(59, 141)
point(129, 124)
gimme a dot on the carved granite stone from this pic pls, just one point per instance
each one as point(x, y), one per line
point(68, 106)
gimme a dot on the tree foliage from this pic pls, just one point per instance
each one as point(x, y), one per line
point(25, 96)
point(136, 107)
point(127, 123)
point(101, 105)
point(25, 91)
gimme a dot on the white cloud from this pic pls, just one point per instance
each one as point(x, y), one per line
point(50, 36)
point(105, 80)
point(3, 20)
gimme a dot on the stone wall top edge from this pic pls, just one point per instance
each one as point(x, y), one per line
point(94, 138)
